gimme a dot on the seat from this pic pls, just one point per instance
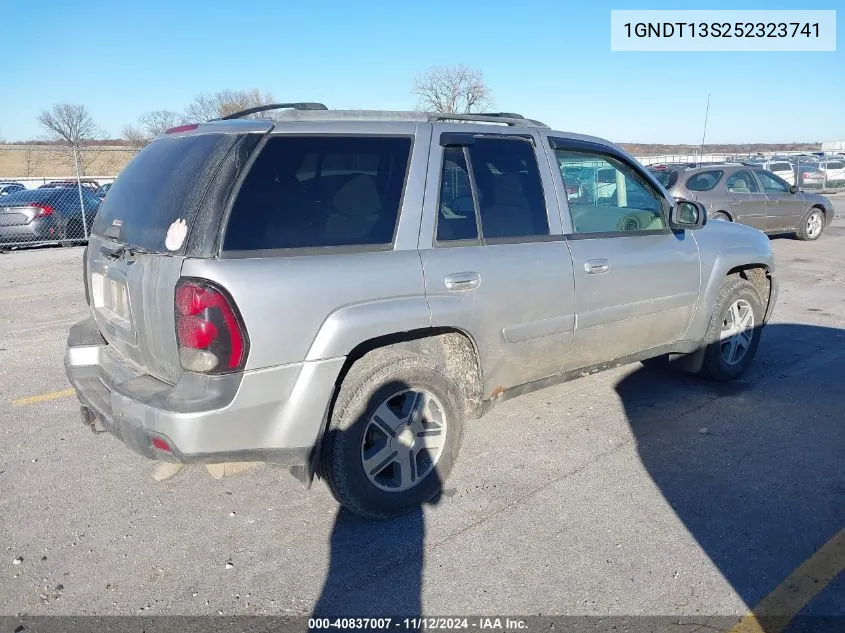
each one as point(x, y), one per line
point(509, 215)
point(357, 208)
point(739, 186)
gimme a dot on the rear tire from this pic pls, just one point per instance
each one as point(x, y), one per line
point(71, 233)
point(812, 225)
point(379, 466)
point(734, 332)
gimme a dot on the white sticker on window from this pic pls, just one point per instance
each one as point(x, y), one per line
point(176, 235)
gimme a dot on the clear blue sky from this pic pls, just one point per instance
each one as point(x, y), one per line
point(549, 59)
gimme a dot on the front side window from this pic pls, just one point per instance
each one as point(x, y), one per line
point(705, 180)
point(507, 200)
point(318, 191)
point(770, 182)
point(607, 195)
point(742, 182)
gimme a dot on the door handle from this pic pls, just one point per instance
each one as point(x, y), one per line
point(736, 201)
point(462, 281)
point(596, 266)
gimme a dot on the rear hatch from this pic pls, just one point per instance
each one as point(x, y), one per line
point(166, 205)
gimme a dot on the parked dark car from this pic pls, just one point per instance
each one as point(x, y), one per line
point(7, 187)
point(39, 215)
point(810, 176)
point(87, 183)
point(753, 196)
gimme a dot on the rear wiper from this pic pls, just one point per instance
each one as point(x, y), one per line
point(121, 250)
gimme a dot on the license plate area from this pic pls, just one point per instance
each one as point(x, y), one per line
point(111, 299)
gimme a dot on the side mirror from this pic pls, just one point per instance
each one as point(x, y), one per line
point(687, 215)
point(793, 189)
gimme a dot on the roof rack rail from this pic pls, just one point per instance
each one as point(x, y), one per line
point(272, 106)
point(509, 118)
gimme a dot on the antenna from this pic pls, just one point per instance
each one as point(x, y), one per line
point(704, 134)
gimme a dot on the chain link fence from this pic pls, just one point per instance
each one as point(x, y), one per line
point(50, 194)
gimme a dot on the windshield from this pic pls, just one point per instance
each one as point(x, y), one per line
point(165, 182)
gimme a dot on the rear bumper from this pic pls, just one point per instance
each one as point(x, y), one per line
point(39, 229)
point(273, 415)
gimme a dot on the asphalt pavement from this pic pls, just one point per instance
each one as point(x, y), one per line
point(629, 492)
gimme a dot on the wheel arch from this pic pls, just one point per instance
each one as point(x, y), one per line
point(451, 348)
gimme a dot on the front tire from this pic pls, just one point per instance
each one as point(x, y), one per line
point(734, 332)
point(394, 434)
point(812, 225)
point(721, 216)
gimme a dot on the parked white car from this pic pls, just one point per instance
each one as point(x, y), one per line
point(782, 169)
point(834, 170)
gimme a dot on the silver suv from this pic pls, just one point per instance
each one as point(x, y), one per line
point(338, 292)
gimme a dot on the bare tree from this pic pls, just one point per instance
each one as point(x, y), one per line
point(72, 125)
point(31, 162)
point(452, 89)
point(150, 125)
point(212, 106)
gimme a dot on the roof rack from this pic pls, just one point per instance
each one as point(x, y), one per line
point(272, 106)
point(509, 118)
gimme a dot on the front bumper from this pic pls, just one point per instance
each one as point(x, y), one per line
point(272, 415)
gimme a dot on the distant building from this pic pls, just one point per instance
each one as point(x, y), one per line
point(833, 146)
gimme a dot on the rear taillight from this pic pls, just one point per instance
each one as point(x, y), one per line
point(43, 210)
point(211, 336)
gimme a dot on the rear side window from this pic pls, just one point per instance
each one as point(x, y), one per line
point(705, 180)
point(164, 182)
point(318, 191)
point(508, 196)
point(666, 177)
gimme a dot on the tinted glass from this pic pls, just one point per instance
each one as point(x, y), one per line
point(781, 167)
point(508, 188)
point(665, 177)
point(163, 183)
point(602, 204)
point(835, 165)
point(770, 182)
point(742, 182)
point(315, 191)
point(456, 217)
point(705, 180)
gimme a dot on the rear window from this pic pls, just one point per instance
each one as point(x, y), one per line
point(163, 183)
point(666, 177)
point(705, 180)
point(318, 191)
point(835, 165)
point(780, 167)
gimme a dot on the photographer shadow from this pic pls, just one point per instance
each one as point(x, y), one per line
point(375, 567)
point(754, 469)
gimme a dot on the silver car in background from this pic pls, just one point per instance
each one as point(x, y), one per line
point(750, 195)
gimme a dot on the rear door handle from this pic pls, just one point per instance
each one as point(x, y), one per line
point(463, 281)
point(596, 266)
